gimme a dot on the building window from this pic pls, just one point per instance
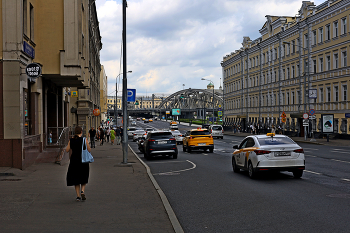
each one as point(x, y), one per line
point(314, 63)
point(31, 14)
point(288, 73)
point(321, 95)
point(293, 71)
point(336, 61)
point(293, 46)
point(299, 97)
point(306, 38)
point(328, 65)
point(320, 35)
point(335, 29)
point(293, 97)
point(275, 51)
point(328, 94)
point(345, 92)
point(343, 26)
point(25, 20)
point(328, 32)
point(314, 37)
point(288, 98)
point(284, 74)
point(344, 59)
point(336, 94)
point(321, 64)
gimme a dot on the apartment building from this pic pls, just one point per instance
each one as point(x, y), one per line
point(63, 37)
point(298, 64)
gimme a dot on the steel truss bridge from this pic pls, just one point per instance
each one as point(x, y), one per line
point(188, 100)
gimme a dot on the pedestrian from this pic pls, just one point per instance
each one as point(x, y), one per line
point(50, 137)
point(78, 172)
point(122, 134)
point(112, 136)
point(92, 135)
point(102, 136)
point(273, 130)
point(118, 135)
point(108, 134)
point(258, 129)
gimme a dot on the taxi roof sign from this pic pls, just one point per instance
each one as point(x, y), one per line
point(270, 134)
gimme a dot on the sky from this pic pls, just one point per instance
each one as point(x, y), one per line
point(173, 44)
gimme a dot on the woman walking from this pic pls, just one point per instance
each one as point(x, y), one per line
point(112, 136)
point(78, 172)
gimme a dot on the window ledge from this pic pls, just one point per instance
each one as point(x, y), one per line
point(344, 35)
point(321, 43)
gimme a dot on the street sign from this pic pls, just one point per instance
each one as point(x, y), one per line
point(131, 95)
point(219, 109)
point(305, 122)
point(347, 115)
point(167, 112)
point(284, 120)
point(283, 115)
point(74, 94)
point(219, 113)
point(312, 117)
point(312, 112)
point(305, 116)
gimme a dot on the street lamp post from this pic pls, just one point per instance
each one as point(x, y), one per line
point(308, 78)
point(213, 96)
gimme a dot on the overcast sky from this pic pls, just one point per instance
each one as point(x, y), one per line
point(176, 42)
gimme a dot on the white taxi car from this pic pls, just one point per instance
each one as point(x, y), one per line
point(258, 153)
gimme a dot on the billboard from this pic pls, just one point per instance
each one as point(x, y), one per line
point(327, 123)
point(175, 112)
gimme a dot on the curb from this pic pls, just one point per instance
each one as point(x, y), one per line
point(171, 214)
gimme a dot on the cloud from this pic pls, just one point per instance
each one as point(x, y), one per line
point(171, 43)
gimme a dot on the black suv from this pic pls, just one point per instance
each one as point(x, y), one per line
point(160, 143)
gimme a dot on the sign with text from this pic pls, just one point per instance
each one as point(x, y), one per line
point(175, 112)
point(29, 50)
point(131, 95)
point(327, 123)
point(33, 70)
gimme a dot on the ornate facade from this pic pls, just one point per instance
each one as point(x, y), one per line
point(299, 63)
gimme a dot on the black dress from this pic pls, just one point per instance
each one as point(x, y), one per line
point(78, 172)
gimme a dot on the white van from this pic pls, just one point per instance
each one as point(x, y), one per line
point(216, 131)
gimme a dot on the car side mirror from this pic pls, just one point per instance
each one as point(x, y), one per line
point(235, 147)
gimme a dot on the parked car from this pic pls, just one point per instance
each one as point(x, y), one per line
point(205, 126)
point(216, 131)
point(178, 136)
point(149, 130)
point(150, 120)
point(268, 152)
point(138, 134)
point(160, 143)
point(198, 139)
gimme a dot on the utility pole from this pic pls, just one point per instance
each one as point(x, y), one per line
point(125, 92)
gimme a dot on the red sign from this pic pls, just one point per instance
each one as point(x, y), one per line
point(96, 112)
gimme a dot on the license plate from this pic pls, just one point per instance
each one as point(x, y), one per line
point(282, 153)
point(202, 144)
point(162, 142)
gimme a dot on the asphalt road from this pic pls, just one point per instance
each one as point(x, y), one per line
point(208, 197)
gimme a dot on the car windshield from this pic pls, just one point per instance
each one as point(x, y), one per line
point(217, 128)
point(131, 129)
point(161, 135)
point(202, 132)
point(275, 141)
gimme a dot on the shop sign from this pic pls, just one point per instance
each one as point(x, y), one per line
point(347, 115)
point(33, 70)
point(96, 112)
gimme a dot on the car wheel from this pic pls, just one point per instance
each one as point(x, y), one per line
point(211, 150)
point(175, 156)
point(297, 174)
point(183, 148)
point(222, 137)
point(234, 166)
point(251, 171)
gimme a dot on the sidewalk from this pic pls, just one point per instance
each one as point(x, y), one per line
point(120, 198)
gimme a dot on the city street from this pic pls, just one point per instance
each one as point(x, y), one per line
point(208, 197)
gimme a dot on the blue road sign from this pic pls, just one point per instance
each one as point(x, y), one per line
point(131, 95)
point(347, 115)
point(312, 112)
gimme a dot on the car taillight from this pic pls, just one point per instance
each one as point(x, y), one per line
point(299, 150)
point(262, 152)
point(151, 140)
point(211, 136)
point(222, 131)
point(191, 137)
point(172, 139)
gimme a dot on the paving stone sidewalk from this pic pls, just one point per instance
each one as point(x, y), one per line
point(119, 198)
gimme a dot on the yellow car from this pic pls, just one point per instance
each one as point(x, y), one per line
point(198, 139)
point(173, 123)
point(150, 120)
point(143, 119)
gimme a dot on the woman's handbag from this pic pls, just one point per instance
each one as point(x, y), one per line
point(86, 156)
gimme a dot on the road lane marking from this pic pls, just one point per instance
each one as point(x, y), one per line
point(346, 180)
point(337, 160)
point(311, 156)
point(305, 148)
point(167, 173)
point(341, 149)
point(313, 172)
point(341, 152)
